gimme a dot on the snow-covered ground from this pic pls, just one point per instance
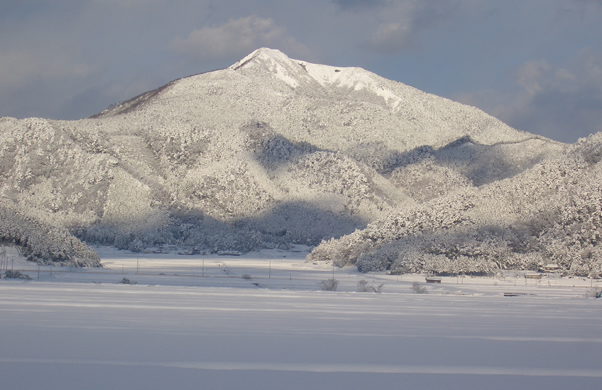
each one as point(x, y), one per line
point(194, 322)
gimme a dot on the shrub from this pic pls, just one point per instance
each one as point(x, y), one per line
point(246, 276)
point(363, 286)
point(127, 281)
point(136, 246)
point(329, 284)
point(419, 289)
point(10, 274)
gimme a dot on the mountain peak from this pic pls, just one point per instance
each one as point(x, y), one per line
point(265, 54)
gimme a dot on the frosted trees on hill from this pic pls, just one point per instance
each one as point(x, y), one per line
point(551, 214)
point(41, 242)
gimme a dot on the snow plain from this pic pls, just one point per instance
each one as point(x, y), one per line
point(193, 322)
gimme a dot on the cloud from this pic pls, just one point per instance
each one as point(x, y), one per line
point(352, 4)
point(34, 80)
point(23, 66)
point(529, 75)
point(399, 23)
point(57, 56)
point(236, 38)
point(560, 102)
point(391, 36)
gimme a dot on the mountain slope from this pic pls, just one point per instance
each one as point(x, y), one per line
point(267, 152)
point(550, 214)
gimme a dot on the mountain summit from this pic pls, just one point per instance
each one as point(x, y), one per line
point(268, 152)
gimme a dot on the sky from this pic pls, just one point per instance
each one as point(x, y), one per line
point(536, 64)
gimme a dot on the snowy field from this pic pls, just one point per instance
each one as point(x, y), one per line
point(194, 322)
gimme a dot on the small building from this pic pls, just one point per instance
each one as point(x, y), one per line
point(550, 268)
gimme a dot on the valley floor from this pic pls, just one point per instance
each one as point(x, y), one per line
point(194, 322)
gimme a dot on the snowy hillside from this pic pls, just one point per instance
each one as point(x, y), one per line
point(268, 152)
point(549, 214)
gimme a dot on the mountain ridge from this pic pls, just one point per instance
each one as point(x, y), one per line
point(278, 70)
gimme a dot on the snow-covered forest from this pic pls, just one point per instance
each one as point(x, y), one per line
point(549, 214)
point(274, 151)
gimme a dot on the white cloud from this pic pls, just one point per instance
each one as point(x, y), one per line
point(396, 24)
point(391, 36)
point(530, 75)
point(236, 38)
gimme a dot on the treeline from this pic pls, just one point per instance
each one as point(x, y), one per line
point(41, 242)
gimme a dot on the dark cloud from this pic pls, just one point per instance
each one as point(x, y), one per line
point(23, 10)
point(562, 115)
point(401, 23)
point(562, 103)
point(350, 4)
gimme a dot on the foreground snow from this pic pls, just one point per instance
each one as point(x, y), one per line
point(189, 326)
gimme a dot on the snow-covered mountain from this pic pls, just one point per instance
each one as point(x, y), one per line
point(268, 152)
